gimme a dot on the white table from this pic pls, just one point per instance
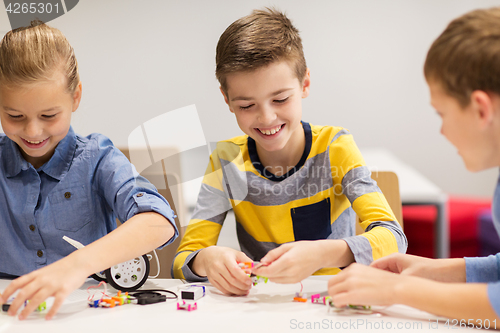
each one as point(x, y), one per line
point(415, 189)
point(268, 308)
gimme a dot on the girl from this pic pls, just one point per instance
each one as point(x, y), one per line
point(54, 182)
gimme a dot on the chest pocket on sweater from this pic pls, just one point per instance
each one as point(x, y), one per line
point(312, 222)
point(69, 208)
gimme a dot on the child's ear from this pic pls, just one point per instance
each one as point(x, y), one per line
point(225, 98)
point(483, 106)
point(77, 96)
point(306, 84)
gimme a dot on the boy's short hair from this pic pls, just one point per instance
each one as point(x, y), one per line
point(34, 53)
point(466, 56)
point(257, 40)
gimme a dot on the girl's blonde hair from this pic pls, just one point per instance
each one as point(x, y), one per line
point(34, 53)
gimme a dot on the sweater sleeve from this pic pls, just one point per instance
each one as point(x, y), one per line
point(486, 269)
point(383, 234)
point(207, 220)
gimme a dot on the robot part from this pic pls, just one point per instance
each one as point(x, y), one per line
point(187, 306)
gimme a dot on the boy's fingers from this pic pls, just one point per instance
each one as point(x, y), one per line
point(275, 269)
point(242, 257)
point(219, 286)
point(272, 255)
point(335, 281)
point(224, 278)
point(238, 279)
point(341, 300)
point(336, 288)
point(228, 287)
point(387, 264)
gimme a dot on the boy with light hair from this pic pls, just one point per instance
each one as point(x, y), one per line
point(462, 70)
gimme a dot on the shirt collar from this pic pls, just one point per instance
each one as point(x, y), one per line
point(13, 161)
point(56, 167)
point(60, 162)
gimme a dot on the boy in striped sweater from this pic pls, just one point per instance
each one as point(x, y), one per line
point(295, 188)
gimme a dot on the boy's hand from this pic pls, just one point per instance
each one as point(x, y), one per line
point(291, 262)
point(220, 265)
point(58, 280)
point(362, 285)
point(444, 270)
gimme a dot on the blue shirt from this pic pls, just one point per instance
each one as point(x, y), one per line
point(79, 192)
point(487, 269)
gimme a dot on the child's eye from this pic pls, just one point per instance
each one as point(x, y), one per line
point(246, 107)
point(15, 116)
point(279, 101)
point(48, 116)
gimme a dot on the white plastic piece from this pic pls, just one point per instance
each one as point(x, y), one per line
point(73, 242)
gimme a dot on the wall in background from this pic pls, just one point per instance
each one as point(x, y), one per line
point(140, 59)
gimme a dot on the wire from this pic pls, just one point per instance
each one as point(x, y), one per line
point(157, 266)
point(104, 293)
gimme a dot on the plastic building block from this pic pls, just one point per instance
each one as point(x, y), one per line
point(358, 309)
point(246, 265)
point(111, 302)
point(318, 299)
point(187, 306)
point(256, 279)
point(300, 297)
point(42, 307)
point(193, 292)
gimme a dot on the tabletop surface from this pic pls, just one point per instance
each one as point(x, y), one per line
point(268, 308)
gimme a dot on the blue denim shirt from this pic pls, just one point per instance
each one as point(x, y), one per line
point(487, 269)
point(79, 192)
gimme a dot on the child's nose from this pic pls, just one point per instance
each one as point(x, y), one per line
point(33, 129)
point(266, 115)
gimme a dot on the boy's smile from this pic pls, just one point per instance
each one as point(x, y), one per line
point(267, 103)
point(37, 117)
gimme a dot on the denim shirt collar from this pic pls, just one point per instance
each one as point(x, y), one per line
point(13, 162)
point(56, 167)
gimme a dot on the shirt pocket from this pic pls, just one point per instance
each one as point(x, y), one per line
point(69, 208)
point(312, 222)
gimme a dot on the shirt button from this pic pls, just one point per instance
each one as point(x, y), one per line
point(140, 194)
point(67, 195)
point(39, 253)
point(32, 227)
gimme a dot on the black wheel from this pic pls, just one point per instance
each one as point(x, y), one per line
point(129, 275)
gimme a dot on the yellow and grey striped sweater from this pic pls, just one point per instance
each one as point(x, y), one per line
point(318, 199)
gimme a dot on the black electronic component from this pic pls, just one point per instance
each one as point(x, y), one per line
point(5, 307)
point(152, 296)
